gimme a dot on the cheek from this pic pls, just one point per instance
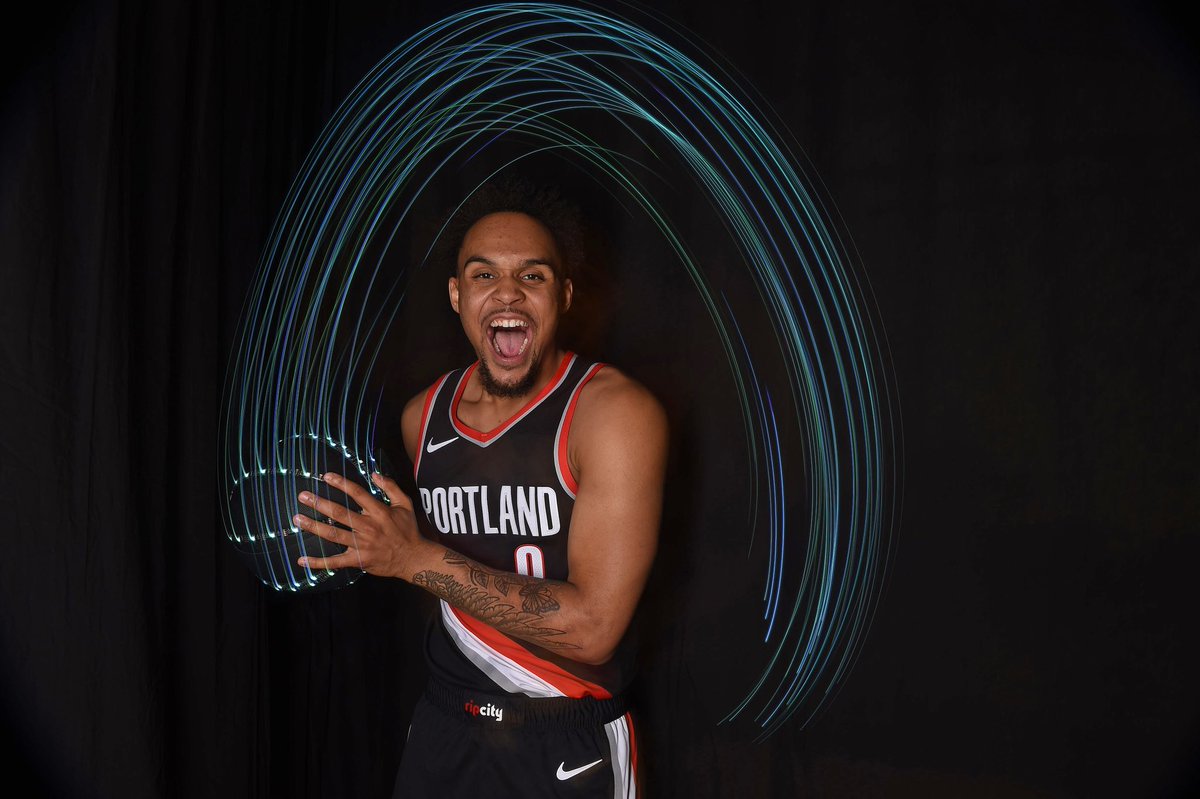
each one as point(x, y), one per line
point(466, 299)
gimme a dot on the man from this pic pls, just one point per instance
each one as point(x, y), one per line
point(540, 484)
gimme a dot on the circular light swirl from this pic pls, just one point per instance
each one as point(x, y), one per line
point(309, 339)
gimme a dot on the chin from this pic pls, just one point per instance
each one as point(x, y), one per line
point(517, 387)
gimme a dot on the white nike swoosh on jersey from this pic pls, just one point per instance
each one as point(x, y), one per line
point(432, 447)
point(563, 774)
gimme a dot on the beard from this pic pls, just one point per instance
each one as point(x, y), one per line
point(506, 390)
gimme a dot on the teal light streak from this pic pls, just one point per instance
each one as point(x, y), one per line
point(521, 69)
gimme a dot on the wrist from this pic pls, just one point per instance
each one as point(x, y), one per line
point(418, 556)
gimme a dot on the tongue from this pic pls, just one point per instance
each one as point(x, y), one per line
point(509, 342)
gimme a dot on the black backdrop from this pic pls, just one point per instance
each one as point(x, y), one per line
point(1019, 182)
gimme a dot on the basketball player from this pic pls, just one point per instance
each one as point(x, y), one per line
point(540, 478)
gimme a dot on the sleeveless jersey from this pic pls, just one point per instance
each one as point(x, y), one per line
point(504, 498)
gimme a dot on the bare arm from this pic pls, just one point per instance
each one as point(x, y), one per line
point(617, 449)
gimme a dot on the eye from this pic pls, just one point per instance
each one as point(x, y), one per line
point(481, 275)
point(537, 277)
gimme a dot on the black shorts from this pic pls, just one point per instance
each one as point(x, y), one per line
point(466, 744)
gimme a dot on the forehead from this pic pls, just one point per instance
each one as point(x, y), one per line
point(509, 234)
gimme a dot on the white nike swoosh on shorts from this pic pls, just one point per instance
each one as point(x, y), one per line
point(563, 774)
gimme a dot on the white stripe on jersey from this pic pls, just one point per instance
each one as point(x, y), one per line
point(504, 671)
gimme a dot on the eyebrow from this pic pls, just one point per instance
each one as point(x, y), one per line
point(479, 259)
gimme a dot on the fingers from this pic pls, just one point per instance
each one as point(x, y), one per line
point(355, 491)
point(334, 510)
point(374, 538)
point(346, 560)
point(359, 494)
point(391, 490)
point(330, 533)
point(351, 557)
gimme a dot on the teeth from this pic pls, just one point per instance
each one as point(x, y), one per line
point(509, 323)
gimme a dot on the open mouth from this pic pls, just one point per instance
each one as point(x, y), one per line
point(509, 337)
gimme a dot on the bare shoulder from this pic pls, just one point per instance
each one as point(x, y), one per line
point(615, 406)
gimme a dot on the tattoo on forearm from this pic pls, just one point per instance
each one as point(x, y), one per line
point(488, 605)
point(536, 596)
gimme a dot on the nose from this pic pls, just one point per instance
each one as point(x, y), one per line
point(508, 290)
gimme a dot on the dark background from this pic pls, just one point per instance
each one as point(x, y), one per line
point(1019, 181)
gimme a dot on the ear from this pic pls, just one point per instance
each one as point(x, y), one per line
point(568, 292)
point(454, 293)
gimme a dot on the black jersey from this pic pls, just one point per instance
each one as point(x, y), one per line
point(504, 498)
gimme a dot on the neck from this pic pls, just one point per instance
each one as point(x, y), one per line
point(543, 372)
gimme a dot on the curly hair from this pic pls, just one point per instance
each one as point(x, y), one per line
point(518, 195)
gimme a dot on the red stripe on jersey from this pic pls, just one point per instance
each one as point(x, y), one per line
point(429, 395)
point(569, 684)
point(564, 464)
point(482, 437)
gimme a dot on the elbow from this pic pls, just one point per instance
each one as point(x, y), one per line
point(593, 656)
point(597, 645)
